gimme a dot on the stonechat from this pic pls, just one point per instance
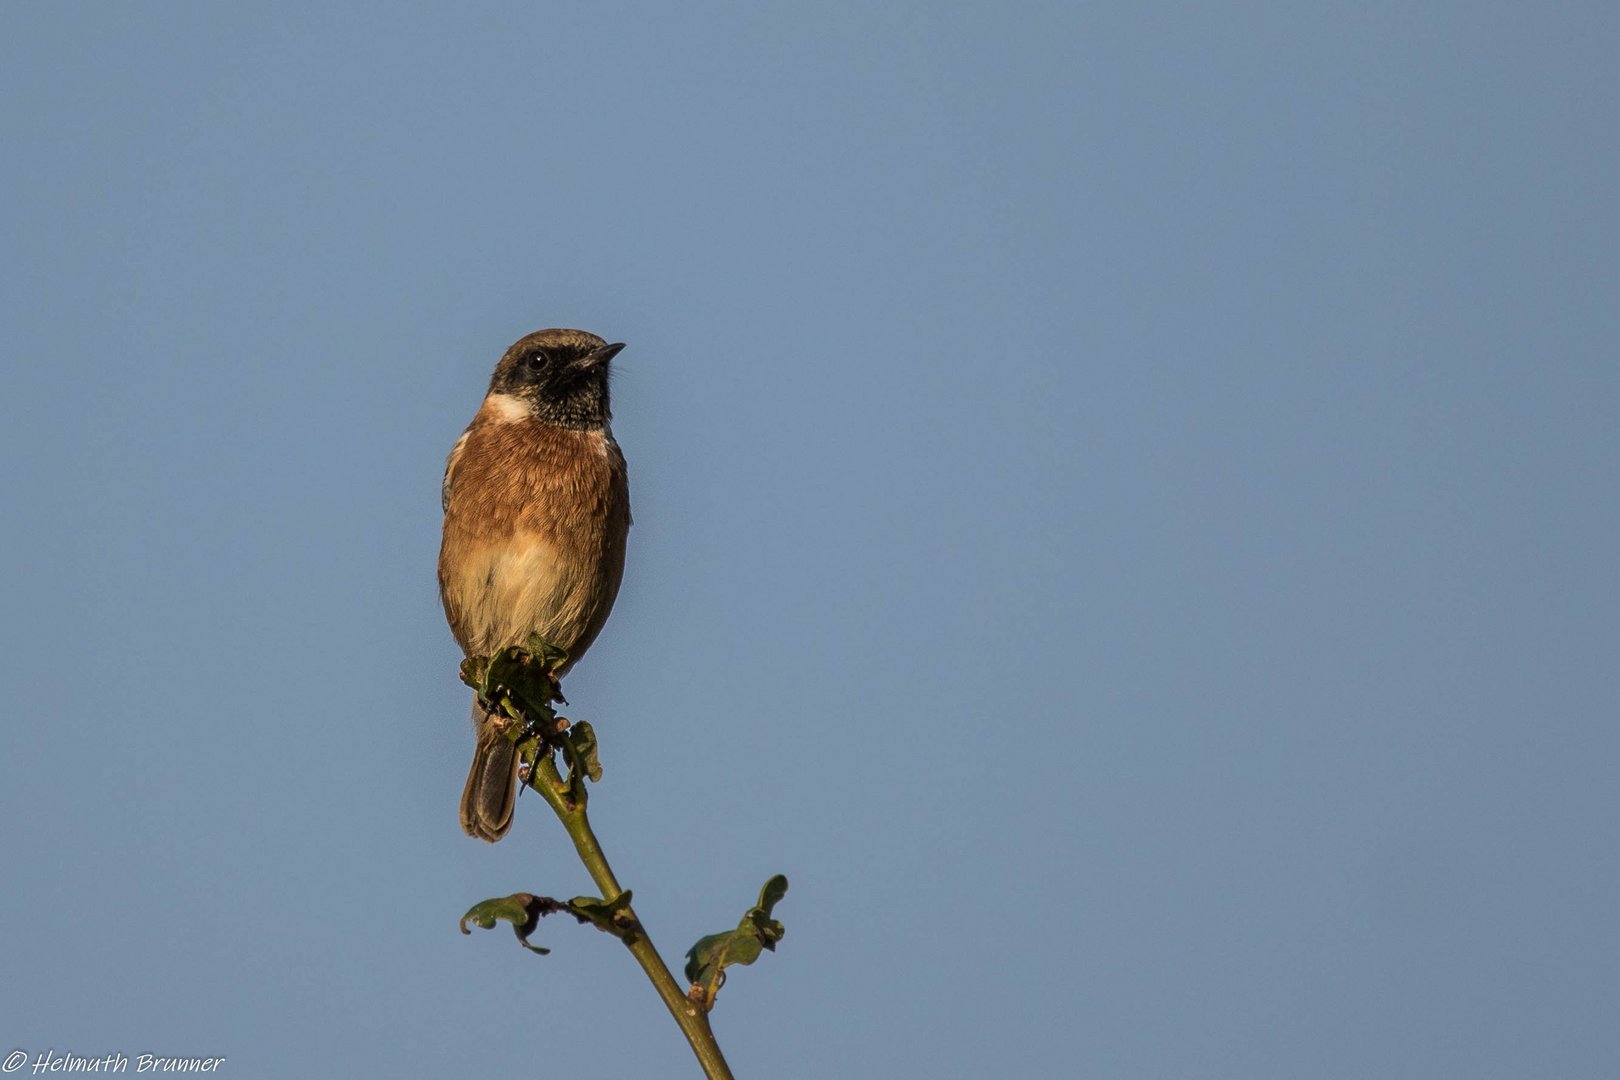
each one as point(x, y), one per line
point(536, 510)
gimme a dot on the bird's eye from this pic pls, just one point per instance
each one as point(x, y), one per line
point(536, 360)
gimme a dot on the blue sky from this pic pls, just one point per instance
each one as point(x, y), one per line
point(1124, 506)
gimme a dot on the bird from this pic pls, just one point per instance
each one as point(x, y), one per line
point(536, 513)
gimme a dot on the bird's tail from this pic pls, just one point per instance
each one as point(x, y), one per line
point(491, 791)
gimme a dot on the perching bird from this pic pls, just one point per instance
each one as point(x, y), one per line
point(536, 509)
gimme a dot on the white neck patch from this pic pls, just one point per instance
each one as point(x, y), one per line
point(506, 408)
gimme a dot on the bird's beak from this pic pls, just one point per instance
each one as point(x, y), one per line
point(599, 358)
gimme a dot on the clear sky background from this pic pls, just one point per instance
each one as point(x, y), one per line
point(1125, 520)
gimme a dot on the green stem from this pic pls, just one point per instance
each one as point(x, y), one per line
point(690, 1015)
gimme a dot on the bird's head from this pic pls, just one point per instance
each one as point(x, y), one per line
point(560, 375)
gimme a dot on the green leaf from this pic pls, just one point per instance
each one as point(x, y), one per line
point(582, 759)
point(519, 680)
point(771, 895)
point(707, 961)
point(475, 671)
point(613, 916)
point(522, 910)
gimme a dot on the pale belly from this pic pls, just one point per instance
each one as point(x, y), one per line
point(501, 593)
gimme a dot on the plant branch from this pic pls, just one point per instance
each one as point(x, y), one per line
point(568, 799)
